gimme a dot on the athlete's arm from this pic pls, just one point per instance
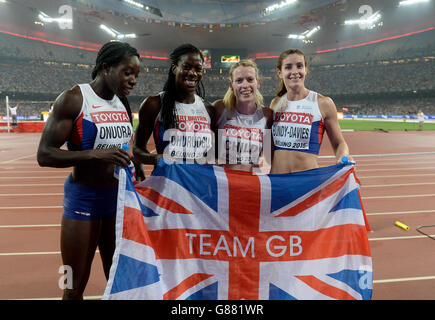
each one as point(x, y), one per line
point(148, 112)
point(58, 129)
point(329, 113)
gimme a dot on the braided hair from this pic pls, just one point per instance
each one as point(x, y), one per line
point(111, 54)
point(168, 113)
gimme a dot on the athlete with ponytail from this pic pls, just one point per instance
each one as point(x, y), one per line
point(94, 122)
point(300, 118)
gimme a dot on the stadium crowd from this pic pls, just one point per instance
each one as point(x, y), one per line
point(354, 72)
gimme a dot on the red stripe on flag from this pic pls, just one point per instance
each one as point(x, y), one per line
point(134, 226)
point(184, 285)
point(325, 288)
point(318, 196)
point(161, 201)
point(244, 274)
point(319, 244)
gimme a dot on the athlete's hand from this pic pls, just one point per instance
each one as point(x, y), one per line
point(346, 159)
point(113, 155)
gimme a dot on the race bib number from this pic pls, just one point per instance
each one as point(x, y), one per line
point(113, 129)
point(240, 145)
point(192, 139)
point(292, 130)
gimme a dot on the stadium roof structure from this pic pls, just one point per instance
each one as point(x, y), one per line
point(161, 25)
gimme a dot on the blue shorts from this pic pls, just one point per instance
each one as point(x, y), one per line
point(86, 203)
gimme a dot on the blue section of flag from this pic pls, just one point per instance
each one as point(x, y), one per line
point(349, 201)
point(276, 293)
point(132, 273)
point(302, 182)
point(188, 176)
point(359, 280)
point(208, 293)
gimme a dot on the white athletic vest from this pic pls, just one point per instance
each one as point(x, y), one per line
point(101, 124)
point(298, 125)
point(240, 137)
point(193, 137)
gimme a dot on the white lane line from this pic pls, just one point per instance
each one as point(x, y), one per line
point(29, 225)
point(31, 185)
point(33, 253)
point(30, 194)
point(20, 158)
point(404, 279)
point(403, 196)
point(396, 175)
point(28, 253)
point(397, 185)
point(394, 169)
point(34, 177)
point(37, 171)
point(396, 163)
point(60, 298)
point(399, 212)
point(400, 238)
point(383, 155)
point(35, 207)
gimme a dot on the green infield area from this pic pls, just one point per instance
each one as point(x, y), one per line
point(369, 125)
point(373, 125)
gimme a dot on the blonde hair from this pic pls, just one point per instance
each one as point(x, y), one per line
point(282, 89)
point(229, 98)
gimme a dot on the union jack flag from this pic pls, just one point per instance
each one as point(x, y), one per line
point(195, 231)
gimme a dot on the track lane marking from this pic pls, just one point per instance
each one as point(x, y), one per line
point(399, 185)
point(404, 196)
point(29, 225)
point(400, 238)
point(398, 212)
point(34, 207)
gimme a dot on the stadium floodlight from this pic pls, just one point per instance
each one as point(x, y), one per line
point(370, 20)
point(116, 34)
point(312, 31)
point(296, 36)
point(46, 18)
point(305, 34)
point(110, 31)
point(147, 8)
point(134, 3)
point(272, 8)
point(128, 35)
point(411, 2)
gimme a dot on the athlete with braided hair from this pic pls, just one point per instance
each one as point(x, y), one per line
point(94, 122)
point(178, 118)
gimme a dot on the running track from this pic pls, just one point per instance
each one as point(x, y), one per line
point(396, 169)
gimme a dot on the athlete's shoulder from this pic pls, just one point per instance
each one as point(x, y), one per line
point(326, 105)
point(151, 104)
point(266, 110)
point(69, 103)
point(268, 115)
point(219, 108)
